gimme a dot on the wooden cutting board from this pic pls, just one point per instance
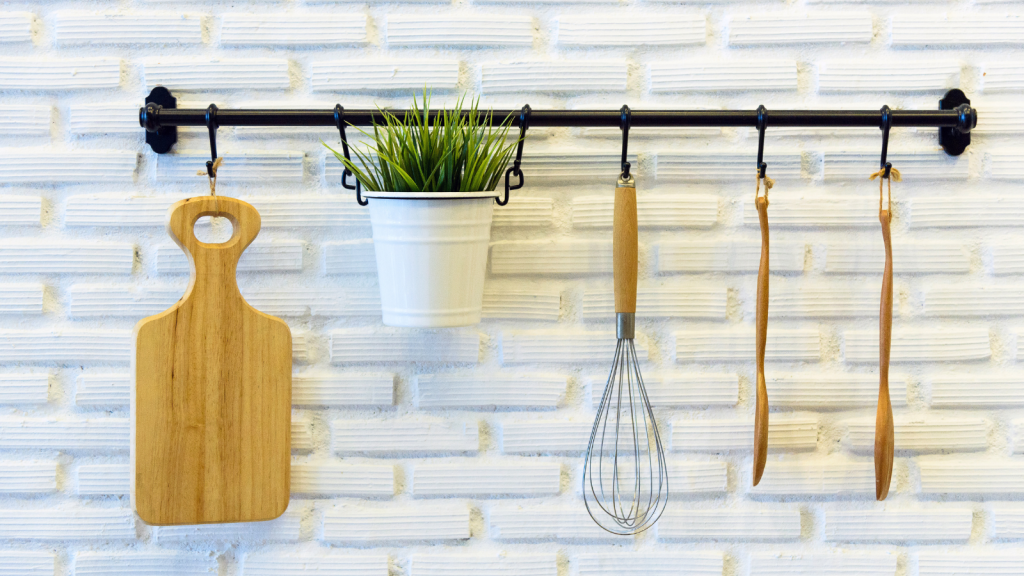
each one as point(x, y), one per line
point(211, 401)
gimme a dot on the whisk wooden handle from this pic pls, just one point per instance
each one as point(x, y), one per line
point(625, 250)
point(884, 434)
point(761, 338)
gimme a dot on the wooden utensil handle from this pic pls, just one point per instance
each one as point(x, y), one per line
point(625, 249)
point(761, 338)
point(884, 433)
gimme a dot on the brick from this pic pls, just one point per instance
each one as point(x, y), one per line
point(656, 210)
point(540, 304)
point(807, 28)
point(218, 74)
point(343, 389)
point(356, 524)
point(867, 256)
point(44, 167)
point(260, 256)
point(920, 345)
point(897, 75)
point(28, 477)
point(832, 476)
point(524, 212)
point(1007, 521)
point(362, 346)
point(545, 436)
point(737, 345)
point(25, 119)
point(915, 165)
point(554, 76)
point(695, 256)
point(117, 211)
point(459, 30)
point(703, 75)
point(650, 563)
point(698, 477)
point(24, 388)
point(1006, 76)
point(834, 391)
point(598, 30)
point(389, 436)
point(134, 563)
point(975, 212)
point(59, 74)
point(560, 347)
point(680, 389)
point(788, 210)
point(351, 257)
point(923, 434)
point(465, 478)
point(405, 74)
point(830, 299)
point(325, 562)
point(986, 475)
point(1018, 436)
point(749, 523)
point(898, 525)
point(104, 479)
point(972, 390)
point(77, 27)
point(98, 300)
point(1004, 166)
point(565, 166)
point(1007, 259)
point(959, 300)
point(981, 563)
point(972, 30)
point(16, 26)
point(837, 563)
point(21, 299)
point(281, 166)
point(481, 391)
point(785, 432)
point(103, 390)
point(101, 434)
point(338, 479)
point(282, 529)
point(502, 564)
point(725, 166)
point(104, 118)
point(25, 563)
point(65, 346)
point(49, 257)
point(544, 522)
point(999, 118)
point(552, 257)
point(302, 434)
point(293, 29)
point(72, 522)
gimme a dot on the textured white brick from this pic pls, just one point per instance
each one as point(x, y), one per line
point(343, 389)
point(805, 211)
point(475, 391)
point(923, 434)
point(323, 562)
point(144, 563)
point(105, 118)
point(48, 257)
point(979, 563)
point(888, 75)
point(260, 256)
point(352, 257)
point(217, 74)
point(549, 346)
point(117, 211)
point(283, 29)
point(1005, 76)
point(21, 298)
point(898, 524)
point(945, 475)
point(826, 300)
point(26, 119)
point(42, 167)
point(1007, 258)
point(527, 477)
point(661, 210)
point(103, 389)
point(554, 76)
point(104, 479)
point(423, 522)
point(921, 345)
point(331, 479)
point(649, 563)
point(948, 212)
point(1008, 521)
point(570, 166)
point(698, 75)
point(726, 256)
point(282, 529)
point(113, 300)
point(975, 390)
point(16, 26)
point(867, 256)
point(544, 436)
point(544, 522)
point(561, 257)
point(815, 476)
point(284, 166)
point(1000, 118)
point(540, 304)
point(808, 28)
point(725, 165)
point(732, 524)
point(386, 436)
point(77, 27)
point(73, 523)
point(535, 564)
point(362, 346)
point(973, 30)
point(680, 389)
point(403, 74)
point(973, 300)
point(59, 73)
point(669, 301)
point(459, 30)
point(522, 212)
point(65, 346)
point(698, 477)
point(737, 345)
point(831, 390)
point(19, 563)
point(838, 563)
point(785, 432)
point(302, 434)
point(105, 434)
point(915, 165)
point(1004, 166)
point(27, 477)
point(24, 388)
point(650, 30)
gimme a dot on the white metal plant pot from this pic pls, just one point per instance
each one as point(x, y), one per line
point(431, 250)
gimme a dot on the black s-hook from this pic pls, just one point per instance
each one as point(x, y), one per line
point(625, 115)
point(211, 125)
point(339, 121)
point(762, 121)
point(886, 125)
point(524, 123)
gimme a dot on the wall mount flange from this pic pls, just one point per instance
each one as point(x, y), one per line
point(163, 138)
point(953, 140)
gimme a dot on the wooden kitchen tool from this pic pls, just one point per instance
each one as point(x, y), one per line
point(884, 432)
point(211, 401)
point(761, 334)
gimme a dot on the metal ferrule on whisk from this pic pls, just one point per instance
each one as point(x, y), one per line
point(625, 325)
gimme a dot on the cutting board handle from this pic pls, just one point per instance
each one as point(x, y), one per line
point(245, 221)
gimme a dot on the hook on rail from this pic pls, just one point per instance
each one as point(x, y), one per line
point(211, 125)
point(762, 121)
point(625, 116)
point(339, 122)
point(884, 166)
point(524, 123)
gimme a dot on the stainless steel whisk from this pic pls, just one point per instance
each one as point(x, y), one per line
point(625, 479)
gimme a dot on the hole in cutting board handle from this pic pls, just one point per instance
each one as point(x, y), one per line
point(213, 229)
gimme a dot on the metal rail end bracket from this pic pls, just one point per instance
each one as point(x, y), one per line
point(160, 138)
point(955, 140)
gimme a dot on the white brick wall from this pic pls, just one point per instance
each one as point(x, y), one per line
point(458, 452)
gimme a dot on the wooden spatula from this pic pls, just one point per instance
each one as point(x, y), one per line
point(211, 401)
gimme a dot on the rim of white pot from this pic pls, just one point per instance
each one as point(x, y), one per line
point(430, 195)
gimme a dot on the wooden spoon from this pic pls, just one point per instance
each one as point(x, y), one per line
point(761, 323)
point(884, 435)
